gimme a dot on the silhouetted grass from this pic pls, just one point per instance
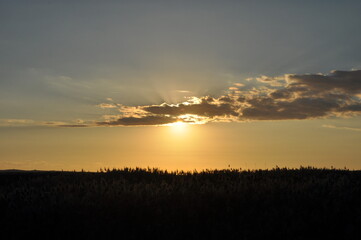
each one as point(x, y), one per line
point(305, 203)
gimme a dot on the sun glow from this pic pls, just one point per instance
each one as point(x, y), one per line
point(178, 127)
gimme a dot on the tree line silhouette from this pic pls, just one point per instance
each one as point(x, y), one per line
point(304, 203)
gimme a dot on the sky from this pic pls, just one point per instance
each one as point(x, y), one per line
point(180, 84)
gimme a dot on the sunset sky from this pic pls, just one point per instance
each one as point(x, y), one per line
point(180, 84)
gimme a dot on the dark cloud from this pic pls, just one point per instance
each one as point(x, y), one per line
point(226, 99)
point(305, 96)
point(352, 108)
point(72, 125)
point(301, 108)
point(134, 121)
point(282, 93)
point(209, 99)
point(241, 99)
point(346, 81)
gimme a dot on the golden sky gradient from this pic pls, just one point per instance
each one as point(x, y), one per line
point(217, 145)
point(180, 85)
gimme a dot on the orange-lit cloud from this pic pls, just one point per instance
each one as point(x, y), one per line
point(277, 98)
point(107, 105)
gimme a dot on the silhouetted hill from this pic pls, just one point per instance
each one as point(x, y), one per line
point(305, 203)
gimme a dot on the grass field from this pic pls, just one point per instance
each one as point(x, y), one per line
point(305, 203)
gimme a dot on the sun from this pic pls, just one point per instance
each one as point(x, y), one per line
point(178, 127)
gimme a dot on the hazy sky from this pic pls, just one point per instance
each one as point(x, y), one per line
point(251, 84)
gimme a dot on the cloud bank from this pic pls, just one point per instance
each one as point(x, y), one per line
point(288, 97)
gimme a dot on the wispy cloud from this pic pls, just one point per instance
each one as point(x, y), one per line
point(16, 122)
point(183, 91)
point(73, 125)
point(342, 128)
point(34, 123)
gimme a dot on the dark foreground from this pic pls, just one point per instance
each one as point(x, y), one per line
point(305, 203)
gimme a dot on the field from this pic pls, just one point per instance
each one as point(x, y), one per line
point(305, 203)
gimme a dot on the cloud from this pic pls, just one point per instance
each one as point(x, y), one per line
point(305, 97)
point(288, 97)
point(106, 105)
point(273, 81)
point(183, 91)
point(342, 128)
point(345, 81)
point(33, 123)
point(73, 125)
point(302, 108)
point(194, 110)
point(141, 121)
point(204, 108)
point(16, 122)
